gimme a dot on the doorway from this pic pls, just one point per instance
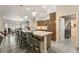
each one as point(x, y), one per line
point(67, 30)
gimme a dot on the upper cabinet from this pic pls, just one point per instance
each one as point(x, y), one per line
point(53, 16)
point(42, 23)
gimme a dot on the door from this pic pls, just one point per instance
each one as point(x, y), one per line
point(61, 29)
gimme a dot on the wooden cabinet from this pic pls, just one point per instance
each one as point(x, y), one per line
point(53, 16)
point(41, 23)
point(52, 26)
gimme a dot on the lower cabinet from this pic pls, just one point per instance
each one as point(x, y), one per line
point(39, 43)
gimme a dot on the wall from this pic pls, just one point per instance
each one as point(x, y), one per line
point(64, 10)
point(1, 24)
point(73, 33)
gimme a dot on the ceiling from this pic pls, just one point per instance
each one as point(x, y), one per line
point(21, 10)
point(18, 12)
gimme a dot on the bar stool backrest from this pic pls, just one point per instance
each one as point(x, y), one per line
point(29, 37)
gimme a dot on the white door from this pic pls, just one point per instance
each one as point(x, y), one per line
point(61, 29)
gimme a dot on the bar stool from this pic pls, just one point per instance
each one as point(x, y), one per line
point(36, 41)
point(1, 38)
point(30, 41)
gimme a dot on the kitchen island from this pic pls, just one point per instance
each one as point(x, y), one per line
point(44, 41)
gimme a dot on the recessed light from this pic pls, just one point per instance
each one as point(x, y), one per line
point(20, 19)
point(28, 9)
point(25, 17)
point(49, 10)
point(44, 6)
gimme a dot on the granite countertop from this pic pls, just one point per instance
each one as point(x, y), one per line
point(42, 33)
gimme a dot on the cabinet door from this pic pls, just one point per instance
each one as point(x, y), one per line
point(53, 16)
point(38, 23)
point(41, 23)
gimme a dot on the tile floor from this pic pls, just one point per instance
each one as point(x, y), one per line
point(62, 47)
point(9, 45)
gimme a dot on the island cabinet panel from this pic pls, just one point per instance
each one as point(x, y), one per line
point(40, 42)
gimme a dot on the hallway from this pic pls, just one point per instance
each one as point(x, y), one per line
point(9, 45)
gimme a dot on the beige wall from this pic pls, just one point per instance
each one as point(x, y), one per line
point(64, 10)
point(1, 24)
point(73, 33)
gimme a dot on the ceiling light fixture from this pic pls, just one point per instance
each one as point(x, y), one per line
point(34, 13)
point(28, 9)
